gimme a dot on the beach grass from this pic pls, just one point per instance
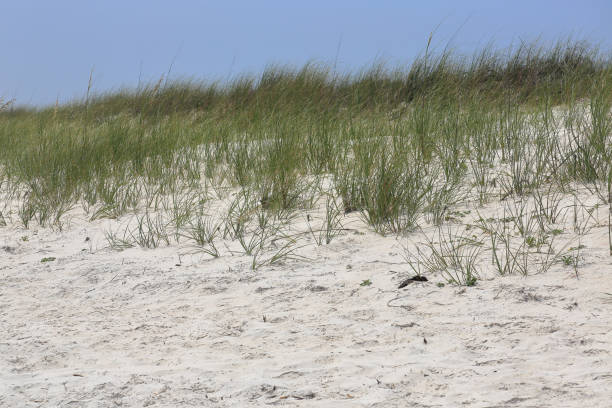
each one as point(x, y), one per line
point(529, 128)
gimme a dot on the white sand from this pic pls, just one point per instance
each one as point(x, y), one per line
point(101, 328)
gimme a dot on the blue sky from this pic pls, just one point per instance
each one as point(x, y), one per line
point(49, 47)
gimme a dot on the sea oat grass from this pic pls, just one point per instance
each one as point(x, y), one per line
point(401, 146)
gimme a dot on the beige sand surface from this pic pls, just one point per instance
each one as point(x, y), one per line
point(101, 328)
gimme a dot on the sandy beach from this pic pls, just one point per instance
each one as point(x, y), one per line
point(101, 328)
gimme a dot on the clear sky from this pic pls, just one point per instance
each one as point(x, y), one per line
point(49, 47)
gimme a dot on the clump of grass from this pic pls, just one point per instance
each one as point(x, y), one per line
point(203, 231)
point(117, 242)
point(150, 231)
point(521, 243)
point(331, 226)
point(454, 254)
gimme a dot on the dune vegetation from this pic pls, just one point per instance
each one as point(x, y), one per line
point(230, 167)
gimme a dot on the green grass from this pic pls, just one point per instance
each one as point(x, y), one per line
point(402, 147)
